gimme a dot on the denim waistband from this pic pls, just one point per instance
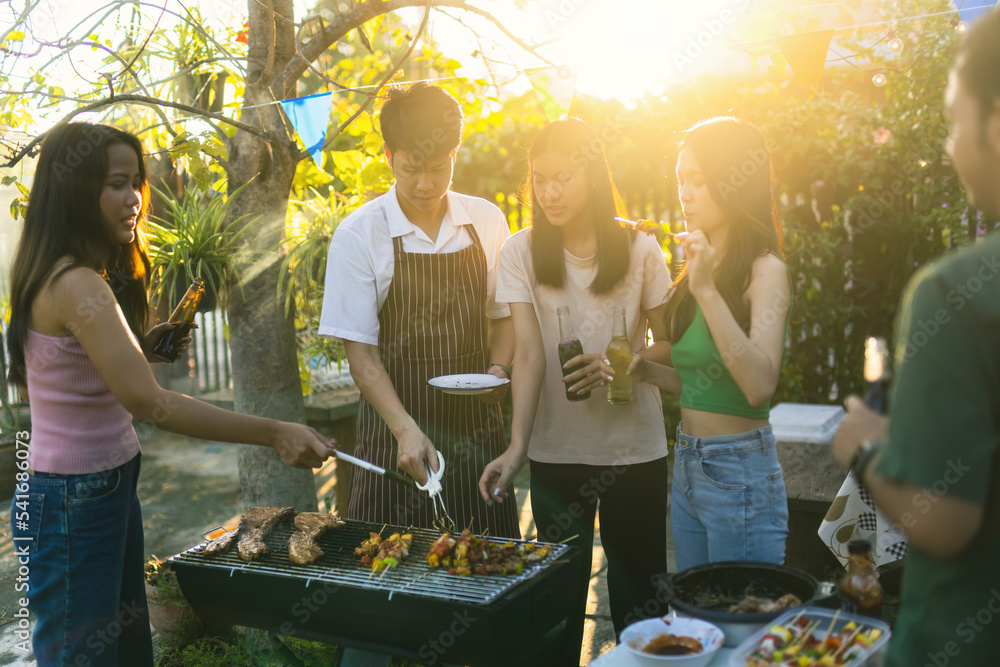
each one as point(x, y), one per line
point(37, 474)
point(748, 441)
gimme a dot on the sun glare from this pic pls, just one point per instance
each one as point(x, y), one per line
point(625, 48)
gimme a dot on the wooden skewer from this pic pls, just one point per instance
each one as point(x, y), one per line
point(804, 637)
point(848, 641)
point(830, 629)
point(571, 537)
point(636, 225)
point(791, 624)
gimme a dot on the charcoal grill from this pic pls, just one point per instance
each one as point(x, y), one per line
point(411, 611)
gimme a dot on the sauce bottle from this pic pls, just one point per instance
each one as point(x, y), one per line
point(860, 590)
point(619, 353)
point(569, 347)
point(166, 348)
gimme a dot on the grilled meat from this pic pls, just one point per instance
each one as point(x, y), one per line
point(751, 604)
point(221, 544)
point(255, 525)
point(302, 546)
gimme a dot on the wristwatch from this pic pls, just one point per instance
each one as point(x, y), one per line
point(866, 452)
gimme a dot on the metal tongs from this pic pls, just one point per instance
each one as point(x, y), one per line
point(433, 487)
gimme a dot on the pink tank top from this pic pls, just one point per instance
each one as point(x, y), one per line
point(77, 425)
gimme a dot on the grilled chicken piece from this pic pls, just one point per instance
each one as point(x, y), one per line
point(221, 544)
point(302, 547)
point(255, 525)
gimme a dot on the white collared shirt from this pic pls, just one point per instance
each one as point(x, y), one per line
point(360, 264)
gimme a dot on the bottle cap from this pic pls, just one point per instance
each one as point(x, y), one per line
point(859, 547)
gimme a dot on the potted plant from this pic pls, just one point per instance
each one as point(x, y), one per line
point(194, 241)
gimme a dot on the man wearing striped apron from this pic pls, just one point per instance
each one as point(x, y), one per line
point(410, 290)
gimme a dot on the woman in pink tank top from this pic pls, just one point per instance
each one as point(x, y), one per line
point(79, 354)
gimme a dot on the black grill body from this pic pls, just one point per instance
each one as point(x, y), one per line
point(412, 611)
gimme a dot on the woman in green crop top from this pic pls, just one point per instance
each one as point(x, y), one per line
point(726, 323)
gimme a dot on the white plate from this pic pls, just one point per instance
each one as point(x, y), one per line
point(637, 635)
point(467, 383)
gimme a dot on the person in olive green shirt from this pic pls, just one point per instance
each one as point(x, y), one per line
point(933, 465)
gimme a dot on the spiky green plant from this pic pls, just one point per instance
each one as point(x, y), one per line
point(197, 243)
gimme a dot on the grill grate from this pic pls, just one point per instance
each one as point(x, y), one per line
point(338, 566)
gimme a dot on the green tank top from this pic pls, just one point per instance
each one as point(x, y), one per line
point(706, 383)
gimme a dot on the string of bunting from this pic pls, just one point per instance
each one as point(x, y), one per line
point(309, 115)
point(805, 53)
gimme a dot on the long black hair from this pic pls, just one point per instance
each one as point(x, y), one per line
point(736, 164)
point(574, 139)
point(64, 219)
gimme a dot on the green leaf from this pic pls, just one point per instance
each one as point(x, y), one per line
point(7, 180)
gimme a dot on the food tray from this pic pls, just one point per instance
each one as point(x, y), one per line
point(874, 656)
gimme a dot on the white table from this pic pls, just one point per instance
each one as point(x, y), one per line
point(622, 657)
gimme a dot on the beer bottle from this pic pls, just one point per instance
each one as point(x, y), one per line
point(860, 590)
point(878, 373)
point(569, 347)
point(619, 353)
point(166, 348)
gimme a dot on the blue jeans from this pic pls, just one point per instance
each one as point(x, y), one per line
point(728, 499)
point(85, 561)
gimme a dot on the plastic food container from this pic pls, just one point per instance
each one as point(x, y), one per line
point(873, 656)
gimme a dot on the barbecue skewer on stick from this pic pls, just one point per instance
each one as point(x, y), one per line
point(848, 641)
point(638, 226)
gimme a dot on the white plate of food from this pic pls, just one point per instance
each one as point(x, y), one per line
point(673, 640)
point(467, 383)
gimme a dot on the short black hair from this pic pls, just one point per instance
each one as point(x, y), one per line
point(423, 120)
point(979, 62)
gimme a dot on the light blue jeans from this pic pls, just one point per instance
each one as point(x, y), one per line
point(728, 499)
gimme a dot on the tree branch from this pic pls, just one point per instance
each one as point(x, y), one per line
point(361, 14)
point(463, 5)
point(138, 99)
point(385, 80)
point(28, 6)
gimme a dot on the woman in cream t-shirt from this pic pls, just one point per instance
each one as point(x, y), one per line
point(581, 452)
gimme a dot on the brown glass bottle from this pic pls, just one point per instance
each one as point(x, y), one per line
point(166, 348)
point(860, 590)
point(569, 347)
point(878, 374)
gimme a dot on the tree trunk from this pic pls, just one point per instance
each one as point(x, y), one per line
point(261, 336)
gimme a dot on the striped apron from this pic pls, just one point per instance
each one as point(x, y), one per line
point(433, 322)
